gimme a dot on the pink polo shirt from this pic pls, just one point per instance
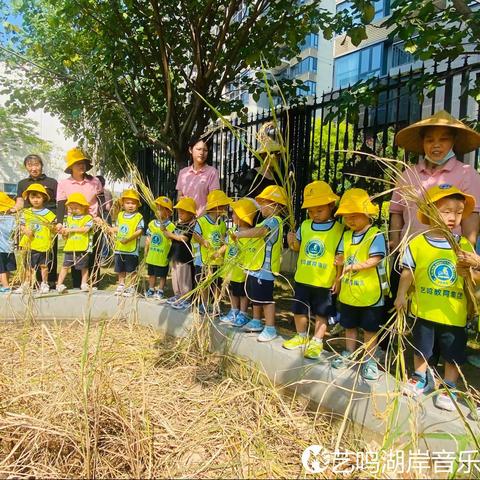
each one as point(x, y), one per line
point(461, 175)
point(90, 188)
point(198, 184)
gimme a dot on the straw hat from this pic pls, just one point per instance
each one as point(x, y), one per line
point(131, 194)
point(245, 209)
point(356, 200)
point(35, 187)
point(217, 198)
point(188, 204)
point(466, 139)
point(274, 193)
point(6, 203)
point(77, 198)
point(164, 202)
point(436, 193)
point(76, 155)
point(318, 193)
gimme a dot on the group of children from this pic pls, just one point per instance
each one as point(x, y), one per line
point(344, 260)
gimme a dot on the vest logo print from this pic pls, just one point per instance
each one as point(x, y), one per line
point(216, 239)
point(36, 227)
point(232, 251)
point(156, 239)
point(442, 273)
point(123, 229)
point(314, 249)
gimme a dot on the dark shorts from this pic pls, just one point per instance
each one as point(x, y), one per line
point(367, 318)
point(237, 289)
point(77, 260)
point(157, 271)
point(125, 263)
point(37, 259)
point(451, 341)
point(259, 291)
point(312, 300)
point(7, 262)
point(202, 271)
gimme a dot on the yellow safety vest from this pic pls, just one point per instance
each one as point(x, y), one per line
point(214, 234)
point(438, 295)
point(362, 288)
point(40, 226)
point(234, 256)
point(256, 250)
point(316, 257)
point(159, 247)
point(78, 242)
point(126, 228)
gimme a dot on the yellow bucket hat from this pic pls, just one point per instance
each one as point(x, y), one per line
point(75, 155)
point(188, 204)
point(217, 198)
point(274, 193)
point(35, 187)
point(318, 193)
point(6, 203)
point(131, 194)
point(466, 139)
point(356, 200)
point(164, 202)
point(436, 193)
point(77, 198)
point(245, 209)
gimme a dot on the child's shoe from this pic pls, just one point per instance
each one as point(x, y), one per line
point(120, 288)
point(369, 370)
point(445, 402)
point(128, 292)
point(44, 288)
point(150, 293)
point(229, 318)
point(61, 288)
point(181, 305)
point(295, 342)
point(267, 334)
point(314, 349)
point(159, 295)
point(21, 290)
point(172, 300)
point(253, 326)
point(341, 361)
point(416, 386)
point(5, 289)
point(85, 287)
point(241, 320)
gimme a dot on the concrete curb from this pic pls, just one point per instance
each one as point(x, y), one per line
point(334, 390)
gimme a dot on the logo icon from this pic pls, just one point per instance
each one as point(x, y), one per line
point(232, 251)
point(442, 272)
point(216, 240)
point(156, 239)
point(123, 229)
point(314, 249)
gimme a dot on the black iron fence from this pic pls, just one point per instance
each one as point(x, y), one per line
point(321, 133)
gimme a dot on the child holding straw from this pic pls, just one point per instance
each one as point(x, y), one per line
point(77, 231)
point(438, 303)
point(317, 276)
point(157, 247)
point(243, 215)
point(262, 260)
point(7, 229)
point(361, 252)
point(37, 227)
point(128, 229)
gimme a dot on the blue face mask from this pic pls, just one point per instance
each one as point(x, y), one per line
point(443, 160)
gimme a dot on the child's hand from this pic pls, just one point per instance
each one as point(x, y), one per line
point(400, 303)
point(206, 244)
point(98, 220)
point(339, 260)
point(59, 227)
point(28, 232)
point(291, 237)
point(336, 286)
point(66, 231)
point(350, 268)
point(123, 241)
point(467, 259)
point(463, 271)
point(233, 236)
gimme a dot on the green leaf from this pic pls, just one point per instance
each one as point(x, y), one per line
point(357, 35)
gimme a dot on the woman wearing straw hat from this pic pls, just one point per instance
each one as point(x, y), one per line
point(77, 165)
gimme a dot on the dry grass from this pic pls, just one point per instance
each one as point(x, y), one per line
point(116, 400)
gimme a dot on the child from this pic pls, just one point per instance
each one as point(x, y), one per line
point(361, 252)
point(244, 211)
point(157, 247)
point(181, 253)
point(77, 231)
point(7, 228)
point(208, 236)
point(316, 278)
point(128, 229)
point(438, 302)
point(262, 260)
point(37, 226)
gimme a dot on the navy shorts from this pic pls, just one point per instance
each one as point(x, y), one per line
point(237, 289)
point(312, 300)
point(125, 263)
point(157, 271)
point(451, 341)
point(367, 318)
point(77, 260)
point(259, 291)
point(38, 259)
point(7, 262)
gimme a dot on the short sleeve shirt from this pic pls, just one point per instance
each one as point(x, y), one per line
point(50, 185)
point(89, 188)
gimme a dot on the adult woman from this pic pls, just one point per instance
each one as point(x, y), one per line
point(198, 179)
point(80, 181)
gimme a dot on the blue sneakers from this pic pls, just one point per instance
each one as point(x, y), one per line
point(5, 289)
point(268, 334)
point(150, 293)
point(253, 326)
point(229, 318)
point(241, 320)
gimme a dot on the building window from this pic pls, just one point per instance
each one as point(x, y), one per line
point(399, 56)
point(364, 63)
point(382, 9)
point(310, 41)
point(309, 88)
point(308, 64)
